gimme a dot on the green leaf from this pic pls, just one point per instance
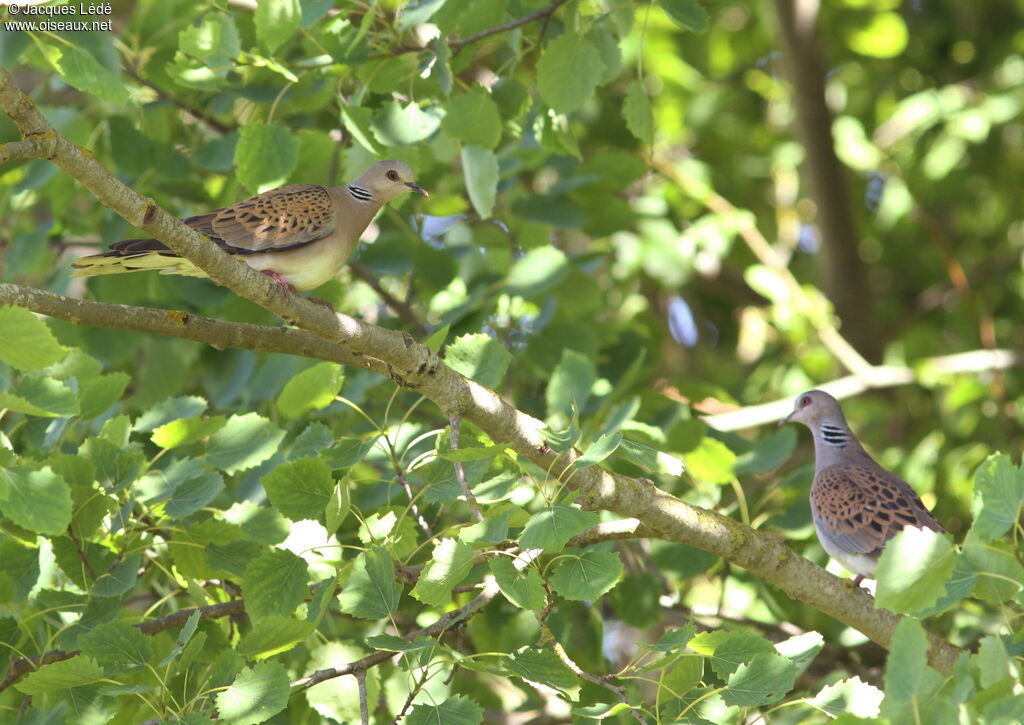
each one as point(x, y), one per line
point(492, 530)
point(184, 431)
point(568, 72)
point(27, 343)
point(570, 383)
point(120, 578)
point(543, 666)
point(598, 450)
point(885, 36)
point(169, 411)
point(523, 588)
point(710, 461)
point(999, 575)
point(245, 441)
point(338, 506)
point(312, 389)
point(768, 453)
point(448, 566)
point(674, 639)
point(417, 12)
point(275, 583)
point(764, 680)
point(476, 453)
point(650, 458)
point(479, 357)
point(41, 396)
point(84, 72)
point(117, 644)
point(638, 114)
point(64, 675)
point(357, 122)
point(370, 591)
point(587, 576)
point(551, 527)
point(913, 570)
point(480, 170)
point(473, 118)
point(907, 677)
point(687, 14)
point(455, 710)
point(265, 155)
point(729, 650)
point(99, 393)
point(392, 643)
point(300, 489)
point(848, 696)
point(257, 694)
point(998, 493)
point(39, 501)
point(273, 635)
point(537, 272)
point(193, 494)
point(395, 125)
point(602, 710)
point(276, 22)
point(184, 636)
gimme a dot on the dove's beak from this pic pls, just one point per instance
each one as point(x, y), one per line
point(416, 188)
point(786, 419)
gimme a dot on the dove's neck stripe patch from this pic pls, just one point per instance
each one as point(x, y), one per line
point(834, 435)
point(359, 193)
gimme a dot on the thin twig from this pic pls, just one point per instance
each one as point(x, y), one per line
point(460, 474)
point(20, 665)
point(617, 690)
point(181, 104)
point(400, 308)
point(39, 147)
point(459, 43)
point(81, 554)
point(364, 711)
point(843, 351)
point(449, 619)
point(424, 524)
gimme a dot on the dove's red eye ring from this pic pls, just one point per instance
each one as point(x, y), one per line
point(392, 175)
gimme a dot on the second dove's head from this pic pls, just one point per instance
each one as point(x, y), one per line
point(813, 408)
point(388, 179)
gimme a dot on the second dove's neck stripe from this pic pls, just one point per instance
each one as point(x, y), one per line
point(359, 193)
point(834, 435)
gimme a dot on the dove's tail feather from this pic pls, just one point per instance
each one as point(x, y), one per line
point(121, 261)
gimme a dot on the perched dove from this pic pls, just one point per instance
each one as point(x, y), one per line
point(856, 504)
point(297, 235)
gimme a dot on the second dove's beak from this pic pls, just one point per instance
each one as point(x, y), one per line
point(418, 189)
point(786, 419)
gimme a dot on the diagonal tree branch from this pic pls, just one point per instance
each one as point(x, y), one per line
point(418, 368)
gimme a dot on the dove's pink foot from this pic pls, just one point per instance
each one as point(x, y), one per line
point(858, 579)
point(279, 281)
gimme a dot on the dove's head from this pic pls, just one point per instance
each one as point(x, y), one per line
point(814, 408)
point(387, 179)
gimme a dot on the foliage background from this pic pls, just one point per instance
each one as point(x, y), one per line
point(589, 276)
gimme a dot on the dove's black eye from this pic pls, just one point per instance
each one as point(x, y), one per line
point(392, 175)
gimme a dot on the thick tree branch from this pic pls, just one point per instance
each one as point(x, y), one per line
point(184, 325)
point(420, 369)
